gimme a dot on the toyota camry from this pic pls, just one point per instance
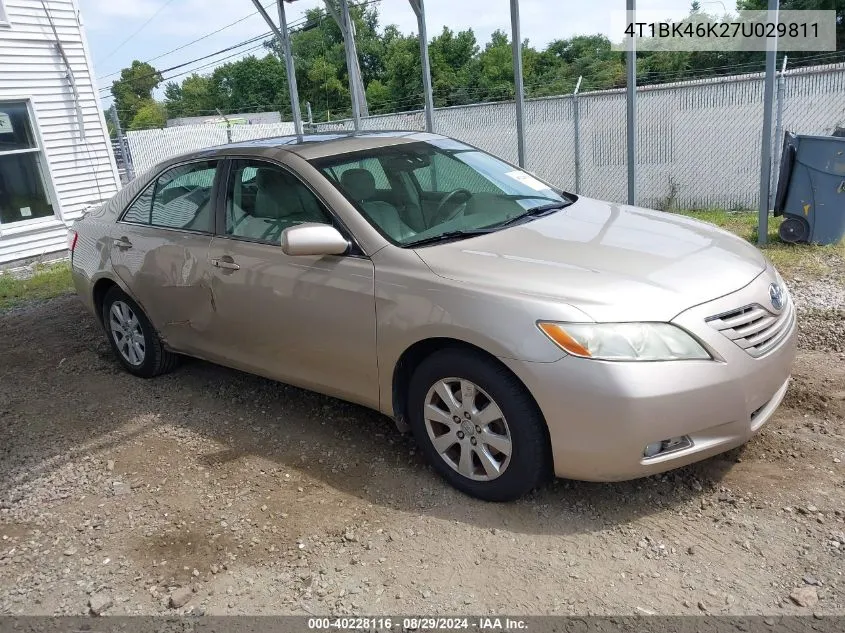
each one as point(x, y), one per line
point(518, 330)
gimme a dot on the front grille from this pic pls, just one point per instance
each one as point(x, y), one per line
point(754, 328)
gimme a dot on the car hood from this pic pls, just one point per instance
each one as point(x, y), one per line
point(611, 261)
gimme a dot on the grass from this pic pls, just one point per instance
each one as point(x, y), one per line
point(48, 280)
point(792, 260)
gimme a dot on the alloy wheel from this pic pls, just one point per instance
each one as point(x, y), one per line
point(467, 429)
point(126, 331)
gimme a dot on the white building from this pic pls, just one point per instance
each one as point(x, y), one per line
point(55, 155)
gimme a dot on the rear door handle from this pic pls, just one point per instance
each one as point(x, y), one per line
point(123, 243)
point(225, 262)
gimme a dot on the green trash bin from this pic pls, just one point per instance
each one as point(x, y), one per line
point(811, 189)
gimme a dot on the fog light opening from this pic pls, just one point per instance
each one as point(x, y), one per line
point(670, 445)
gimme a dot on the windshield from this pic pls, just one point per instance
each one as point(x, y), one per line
point(418, 192)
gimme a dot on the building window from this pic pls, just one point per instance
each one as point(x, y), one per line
point(23, 190)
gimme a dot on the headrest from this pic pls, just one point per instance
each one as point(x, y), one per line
point(360, 183)
point(269, 178)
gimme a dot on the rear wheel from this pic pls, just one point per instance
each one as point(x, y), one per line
point(133, 338)
point(478, 426)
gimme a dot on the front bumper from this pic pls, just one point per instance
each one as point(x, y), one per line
point(601, 415)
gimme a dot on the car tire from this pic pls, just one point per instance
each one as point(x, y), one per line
point(528, 464)
point(126, 324)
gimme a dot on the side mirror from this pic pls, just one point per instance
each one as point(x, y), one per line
point(313, 239)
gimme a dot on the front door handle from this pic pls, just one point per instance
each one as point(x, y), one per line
point(225, 262)
point(123, 243)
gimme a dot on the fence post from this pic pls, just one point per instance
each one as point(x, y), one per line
point(228, 126)
point(124, 155)
point(519, 89)
point(631, 106)
point(576, 121)
point(777, 147)
point(772, 16)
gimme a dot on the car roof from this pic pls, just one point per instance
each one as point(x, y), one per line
point(310, 146)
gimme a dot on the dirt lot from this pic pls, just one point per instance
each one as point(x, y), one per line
point(212, 491)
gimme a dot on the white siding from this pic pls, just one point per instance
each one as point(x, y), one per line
point(82, 172)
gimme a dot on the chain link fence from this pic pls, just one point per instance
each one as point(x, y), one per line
point(698, 141)
point(147, 148)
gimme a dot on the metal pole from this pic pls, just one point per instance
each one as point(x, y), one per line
point(516, 44)
point(127, 167)
point(766, 144)
point(291, 71)
point(631, 63)
point(282, 34)
point(349, 46)
point(310, 116)
point(576, 118)
point(776, 149)
point(419, 8)
point(348, 33)
point(228, 126)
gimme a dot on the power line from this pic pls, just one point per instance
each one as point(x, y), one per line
point(215, 62)
point(140, 28)
point(192, 42)
point(215, 53)
point(198, 59)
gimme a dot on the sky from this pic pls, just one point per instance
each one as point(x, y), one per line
point(120, 31)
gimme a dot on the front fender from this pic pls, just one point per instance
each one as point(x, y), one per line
point(413, 305)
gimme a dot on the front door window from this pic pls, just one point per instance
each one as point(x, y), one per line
point(264, 199)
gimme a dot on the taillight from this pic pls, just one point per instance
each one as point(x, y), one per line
point(72, 237)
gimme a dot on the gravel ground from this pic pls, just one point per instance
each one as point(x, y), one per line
point(212, 491)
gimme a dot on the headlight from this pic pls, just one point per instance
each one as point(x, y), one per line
point(625, 341)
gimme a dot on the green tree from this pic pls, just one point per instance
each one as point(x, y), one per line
point(151, 114)
point(590, 56)
point(193, 97)
point(251, 84)
point(378, 98)
point(403, 73)
point(806, 5)
point(453, 58)
point(495, 65)
point(134, 89)
point(462, 71)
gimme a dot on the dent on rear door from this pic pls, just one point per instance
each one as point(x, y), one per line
point(167, 273)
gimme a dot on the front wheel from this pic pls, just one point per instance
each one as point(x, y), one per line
point(478, 425)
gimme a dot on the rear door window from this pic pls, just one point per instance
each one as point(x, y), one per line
point(180, 198)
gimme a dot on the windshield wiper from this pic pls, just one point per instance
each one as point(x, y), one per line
point(534, 212)
point(448, 236)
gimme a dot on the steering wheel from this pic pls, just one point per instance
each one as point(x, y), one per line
point(442, 213)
